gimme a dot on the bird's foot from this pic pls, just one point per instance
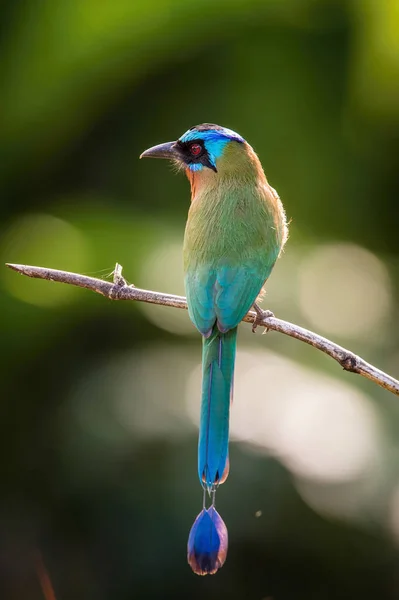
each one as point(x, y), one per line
point(260, 315)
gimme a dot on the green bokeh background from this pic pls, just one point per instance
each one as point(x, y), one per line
point(85, 87)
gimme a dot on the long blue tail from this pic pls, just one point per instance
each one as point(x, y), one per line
point(218, 356)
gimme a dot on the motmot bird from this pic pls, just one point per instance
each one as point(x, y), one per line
point(236, 229)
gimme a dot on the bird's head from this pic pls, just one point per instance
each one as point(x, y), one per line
point(204, 149)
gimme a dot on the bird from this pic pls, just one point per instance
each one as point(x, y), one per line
point(235, 231)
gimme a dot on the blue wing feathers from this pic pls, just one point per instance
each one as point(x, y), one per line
point(224, 294)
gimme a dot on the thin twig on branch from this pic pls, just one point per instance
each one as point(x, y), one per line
point(119, 290)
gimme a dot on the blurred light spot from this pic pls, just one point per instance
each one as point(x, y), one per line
point(150, 399)
point(344, 290)
point(258, 514)
point(317, 426)
point(356, 500)
point(162, 271)
point(44, 241)
point(131, 397)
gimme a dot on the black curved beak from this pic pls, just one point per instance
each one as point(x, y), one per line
point(167, 150)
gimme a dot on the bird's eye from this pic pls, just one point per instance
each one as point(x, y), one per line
point(195, 149)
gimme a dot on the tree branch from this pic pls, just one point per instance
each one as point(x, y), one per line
point(119, 290)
